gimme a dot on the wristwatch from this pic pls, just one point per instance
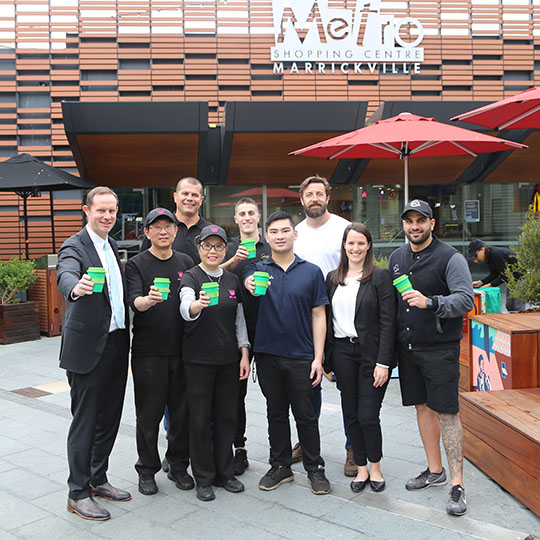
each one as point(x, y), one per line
point(429, 303)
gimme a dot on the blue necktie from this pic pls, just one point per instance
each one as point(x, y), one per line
point(117, 302)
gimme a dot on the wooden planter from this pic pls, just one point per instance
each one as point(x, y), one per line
point(19, 322)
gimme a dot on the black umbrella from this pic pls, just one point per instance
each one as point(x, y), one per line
point(27, 175)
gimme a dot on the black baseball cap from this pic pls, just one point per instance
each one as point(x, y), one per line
point(475, 246)
point(157, 213)
point(211, 230)
point(418, 206)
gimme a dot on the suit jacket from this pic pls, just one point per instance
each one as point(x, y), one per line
point(375, 321)
point(87, 319)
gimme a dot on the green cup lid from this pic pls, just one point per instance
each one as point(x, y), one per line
point(96, 270)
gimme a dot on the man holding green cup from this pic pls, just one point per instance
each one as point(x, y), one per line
point(248, 247)
point(434, 292)
point(158, 371)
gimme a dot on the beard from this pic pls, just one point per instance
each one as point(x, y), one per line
point(420, 240)
point(315, 212)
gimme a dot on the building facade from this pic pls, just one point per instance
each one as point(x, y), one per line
point(229, 51)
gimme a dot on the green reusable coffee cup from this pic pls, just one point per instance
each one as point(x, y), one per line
point(212, 290)
point(402, 283)
point(163, 285)
point(261, 282)
point(97, 275)
point(249, 244)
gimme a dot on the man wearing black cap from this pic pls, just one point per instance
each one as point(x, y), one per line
point(158, 371)
point(497, 259)
point(429, 333)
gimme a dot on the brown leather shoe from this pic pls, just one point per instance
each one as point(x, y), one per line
point(87, 508)
point(350, 468)
point(297, 453)
point(110, 492)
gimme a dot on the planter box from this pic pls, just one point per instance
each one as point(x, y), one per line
point(19, 322)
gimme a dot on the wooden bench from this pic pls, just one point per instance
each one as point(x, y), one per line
point(502, 438)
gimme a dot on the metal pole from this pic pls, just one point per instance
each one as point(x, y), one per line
point(51, 202)
point(25, 210)
point(406, 171)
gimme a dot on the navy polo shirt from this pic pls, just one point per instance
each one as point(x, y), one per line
point(284, 324)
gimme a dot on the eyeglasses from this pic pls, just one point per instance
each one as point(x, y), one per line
point(205, 246)
point(168, 228)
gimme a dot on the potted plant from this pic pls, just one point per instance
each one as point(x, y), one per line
point(524, 276)
point(19, 320)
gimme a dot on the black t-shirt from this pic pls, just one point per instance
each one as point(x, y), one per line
point(250, 302)
point(159, 330)
point(184, 241)
point(211, 338)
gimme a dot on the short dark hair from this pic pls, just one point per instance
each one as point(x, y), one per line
point(276, 216)
point(340, 273)
point(245, 200)
point(190, 180)
point(315, 180)
point(99, 190)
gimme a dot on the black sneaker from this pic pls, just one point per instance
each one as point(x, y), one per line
point(318, 482)
point(165, 465)
point(427, 479)
point(275, 477)
point(240, 462)
point(457, 505)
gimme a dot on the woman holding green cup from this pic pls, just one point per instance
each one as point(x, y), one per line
point(216, 358)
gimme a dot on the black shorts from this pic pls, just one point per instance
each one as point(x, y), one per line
point(430, 377)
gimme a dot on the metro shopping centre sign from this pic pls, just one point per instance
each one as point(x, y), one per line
point(312, 36)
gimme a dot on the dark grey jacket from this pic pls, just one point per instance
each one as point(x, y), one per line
point(87, 320)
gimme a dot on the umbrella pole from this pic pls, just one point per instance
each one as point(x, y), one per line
point(406, 175)
point(25, 212)
point(51, 202)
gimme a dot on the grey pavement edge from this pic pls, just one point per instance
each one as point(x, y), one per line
point(33, 472)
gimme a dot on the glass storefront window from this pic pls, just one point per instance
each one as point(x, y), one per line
point(502, 209)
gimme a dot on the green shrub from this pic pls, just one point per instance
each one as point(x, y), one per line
point(16, 275)
point(380, 261)
point(524, 276)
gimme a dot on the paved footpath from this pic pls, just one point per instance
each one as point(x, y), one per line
point(34, 418)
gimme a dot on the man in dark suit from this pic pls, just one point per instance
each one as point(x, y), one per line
point(94, 353)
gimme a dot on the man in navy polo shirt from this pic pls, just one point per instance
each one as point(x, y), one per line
point(289, 343)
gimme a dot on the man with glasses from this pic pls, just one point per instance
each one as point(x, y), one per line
point(158, 370)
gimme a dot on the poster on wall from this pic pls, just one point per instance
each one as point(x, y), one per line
point(491, 353)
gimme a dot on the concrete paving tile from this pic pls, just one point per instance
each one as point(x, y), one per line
point(49, 528)
point(164, 509)
point(15, 512)
point(10, 446)
point(6, 466)
point(26, 484)
point(38, 461)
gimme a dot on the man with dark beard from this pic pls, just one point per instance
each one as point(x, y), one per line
point(430, 320)
point(320, 234)
point(319, 242)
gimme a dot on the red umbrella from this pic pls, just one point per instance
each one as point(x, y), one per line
point(521, 111)
point(407, 135)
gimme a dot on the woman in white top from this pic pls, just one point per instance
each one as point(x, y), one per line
point(360, 347)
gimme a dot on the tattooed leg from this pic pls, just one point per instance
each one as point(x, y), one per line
point(452, 437)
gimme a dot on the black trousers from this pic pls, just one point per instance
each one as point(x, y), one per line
point(212, 398)
point(97, 399)
point(285, 382)
point(160, 381)
point(361, 401)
